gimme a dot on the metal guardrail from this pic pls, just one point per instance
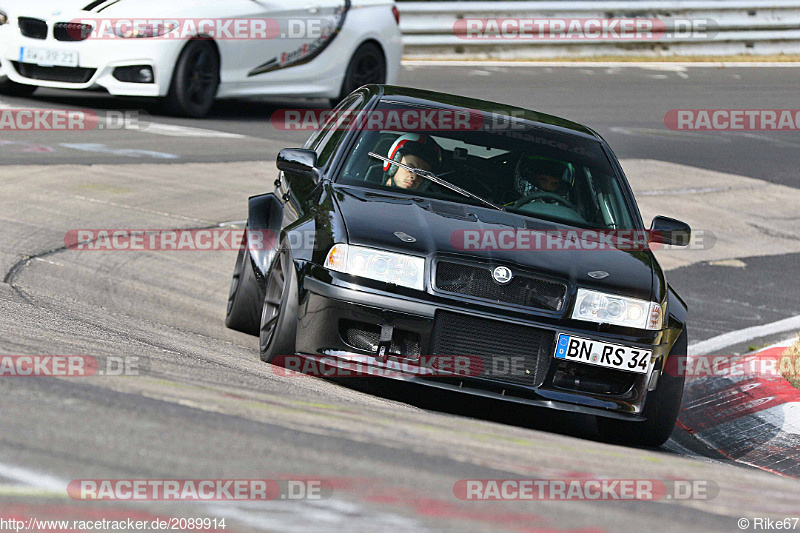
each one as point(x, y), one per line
point(732, 27)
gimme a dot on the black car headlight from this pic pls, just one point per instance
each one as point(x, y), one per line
point(389, 267)
point(594, 306)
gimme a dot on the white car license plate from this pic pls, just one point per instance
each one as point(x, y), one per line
point(591, 352)
point(48, 57)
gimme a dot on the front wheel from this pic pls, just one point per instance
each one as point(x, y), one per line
point(12, 88)
point(278, 332)
point(662, 407)
point(367, 66)
point(195, 81)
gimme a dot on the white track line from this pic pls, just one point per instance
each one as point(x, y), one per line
point(153, 128)
point(273, 515)
point(171, 130)
point(32, 478)
point(100, 148)
point(744, 335)
point(604, 64)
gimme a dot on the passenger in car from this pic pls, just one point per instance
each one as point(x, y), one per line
point(535, 174)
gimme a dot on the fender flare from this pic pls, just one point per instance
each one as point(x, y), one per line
point(264, 217)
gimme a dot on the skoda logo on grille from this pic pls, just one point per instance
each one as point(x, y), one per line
point(502, 275)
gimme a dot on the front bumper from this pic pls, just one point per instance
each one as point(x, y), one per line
point(328, 306)
point(97, 60)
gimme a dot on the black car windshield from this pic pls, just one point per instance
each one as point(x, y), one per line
point(528, 170)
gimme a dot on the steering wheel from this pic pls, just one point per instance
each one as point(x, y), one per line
point(544, 195)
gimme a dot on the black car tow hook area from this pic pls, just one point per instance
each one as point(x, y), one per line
point(385, 342)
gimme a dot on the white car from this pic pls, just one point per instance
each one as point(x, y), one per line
point(191, 52)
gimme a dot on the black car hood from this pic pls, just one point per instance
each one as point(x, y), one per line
point(372, 218)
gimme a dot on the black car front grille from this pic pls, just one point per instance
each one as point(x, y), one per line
point(367, 336)
point(509, 353)
point(33, 28)
point(59, 74)
point(477, 281)
point(71, 31)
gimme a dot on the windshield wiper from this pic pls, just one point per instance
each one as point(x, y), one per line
point(428, 175)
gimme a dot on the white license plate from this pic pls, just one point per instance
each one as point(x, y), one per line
point(605, 354)
point(48, 57)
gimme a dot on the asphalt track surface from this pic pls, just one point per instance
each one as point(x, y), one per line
point(205, 407)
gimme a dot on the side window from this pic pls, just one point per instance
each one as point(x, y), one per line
point(327, 140)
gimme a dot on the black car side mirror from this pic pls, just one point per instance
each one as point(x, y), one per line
point(299, 162)
point(670, 231)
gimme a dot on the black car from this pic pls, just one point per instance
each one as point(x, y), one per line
point(415, 227)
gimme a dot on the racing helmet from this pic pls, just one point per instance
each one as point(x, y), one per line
point(528, 167)
point(412, 144)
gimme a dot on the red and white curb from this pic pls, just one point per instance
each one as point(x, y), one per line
point(750, 417)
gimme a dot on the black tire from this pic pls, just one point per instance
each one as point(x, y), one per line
point(278, 331)
point(661, 408)
point(244, 300)
point(12, 88)
point(195, 81)
point(368, 65)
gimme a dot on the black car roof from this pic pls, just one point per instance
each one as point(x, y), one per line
point(449, 101)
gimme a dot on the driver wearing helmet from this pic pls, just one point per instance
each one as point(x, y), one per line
point(534, 174)
point(414, 150)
